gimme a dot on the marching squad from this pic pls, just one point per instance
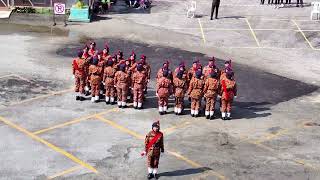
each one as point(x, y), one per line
point(118, 80)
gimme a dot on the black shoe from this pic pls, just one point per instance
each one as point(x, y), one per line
point(176, 113)
point(77, 98)
point(156, 176)
point(211, 19)
point(150, 176)
point(212, 117)
point(192, 115)
point(196, 115)
point(87, 93)
point(82, 98)
point(207, 117)
point(120, 106)
point(107, 102)
point(135, 107)
point(164, 112)
point(139, 108)
point(228, 118)
point(112, 103)
point(124, 106)
point(225, 118)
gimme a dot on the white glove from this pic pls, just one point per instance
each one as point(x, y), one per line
point(115, 86)
point(103, 83)
point(219, 97)
point(157, 94)
point(235, 97)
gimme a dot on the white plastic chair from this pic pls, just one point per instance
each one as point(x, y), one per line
point(191, 8)
point(315, 9)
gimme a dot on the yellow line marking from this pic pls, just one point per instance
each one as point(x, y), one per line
point(194, 164)
point(203, 37)
point(68, 171)
point(53, 147)
point(171, 129)
point(303, 35)
point(77, 120)
point(270, 136)
point(5, 76)
point(252, 32)
point(121, 128)
point(42, 96)
point(138, 136)
point(299, 161)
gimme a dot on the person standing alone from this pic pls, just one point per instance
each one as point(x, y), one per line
point(215, 6)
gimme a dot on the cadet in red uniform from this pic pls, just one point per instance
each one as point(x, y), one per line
point(164, 90)
point(120, 59)
point(147, 70)
point(211, 66)
point(179, 89)
point(95, 79)
point(193, 69)
point(92, 50)
point(153, 146)
point(121, 81)
point(78, 71)
point(210, 90)
point(228, 92)
point(108, 79)
point(106, 53)
point(196, 92)
point(227, 67)
point(87, 58)
point(165, 67)
point(138, 83)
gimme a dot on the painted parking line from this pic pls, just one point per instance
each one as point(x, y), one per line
point(74, 121)
point(304, 36)
point(202, 33)
point(270, 136)
point(252, 32)
point(67, 171)
point(48, 144)
point(141, 137)
point(173, 128)
point(5, 76)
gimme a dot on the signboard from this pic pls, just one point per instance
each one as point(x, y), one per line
point(59, 8)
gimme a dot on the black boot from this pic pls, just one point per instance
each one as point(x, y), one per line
point(77, 98)
point(212, 117)
point(87, 93)
point(156, 176)
point(208, 117)
point(150, 176)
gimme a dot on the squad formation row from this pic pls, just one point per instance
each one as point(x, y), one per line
point(118, 80)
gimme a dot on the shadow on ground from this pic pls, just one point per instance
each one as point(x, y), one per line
point(184, 172)
point(257, 90)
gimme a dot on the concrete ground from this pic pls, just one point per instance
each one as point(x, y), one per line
point(46, 134)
